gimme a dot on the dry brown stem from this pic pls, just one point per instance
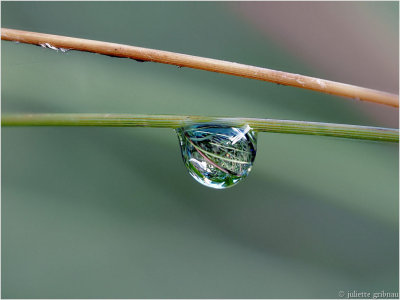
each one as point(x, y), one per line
point(208, 64)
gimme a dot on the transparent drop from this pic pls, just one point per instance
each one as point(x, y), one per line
point(218, 156)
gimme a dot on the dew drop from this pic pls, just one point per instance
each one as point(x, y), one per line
point(218, 156)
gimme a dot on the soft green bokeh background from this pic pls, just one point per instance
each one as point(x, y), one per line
point(112, 213)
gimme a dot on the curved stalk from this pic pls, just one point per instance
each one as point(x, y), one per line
point(63, 43)
point(171, 121)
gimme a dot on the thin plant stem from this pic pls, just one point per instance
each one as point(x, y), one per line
point(57, 42)
point(172, 121)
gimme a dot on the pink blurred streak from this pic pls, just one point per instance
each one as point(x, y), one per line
point(348, 42)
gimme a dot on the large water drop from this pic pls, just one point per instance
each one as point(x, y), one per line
point(218, 156)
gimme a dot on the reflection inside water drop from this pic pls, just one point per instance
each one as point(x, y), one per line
point(218, 156)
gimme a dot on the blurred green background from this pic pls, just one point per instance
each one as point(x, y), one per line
point(112, 212)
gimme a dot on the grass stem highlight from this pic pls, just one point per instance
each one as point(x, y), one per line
point(172, 121)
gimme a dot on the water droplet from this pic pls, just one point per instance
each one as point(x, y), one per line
point(218, 156)
point(47, 45)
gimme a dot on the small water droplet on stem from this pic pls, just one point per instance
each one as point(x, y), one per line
point(218, 156)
